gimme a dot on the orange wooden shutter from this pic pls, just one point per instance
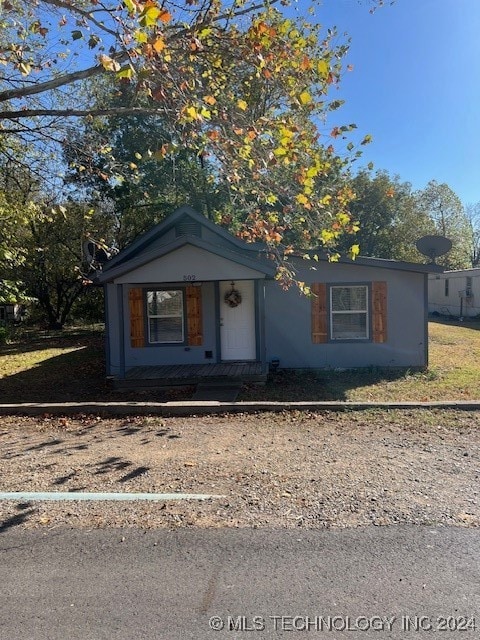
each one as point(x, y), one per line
point(379, 309)
point(137, 324)
point(194, 316)
point(319, 313)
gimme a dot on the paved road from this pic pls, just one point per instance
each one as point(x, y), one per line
point(272, 584)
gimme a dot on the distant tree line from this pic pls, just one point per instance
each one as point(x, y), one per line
point(41, 242)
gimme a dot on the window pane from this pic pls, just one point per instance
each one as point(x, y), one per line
point(349, 326)
point(165, 316)
point(349, 298)
point(165, 303)
point(166, 329)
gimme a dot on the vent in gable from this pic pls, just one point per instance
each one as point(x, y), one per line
point(188, 227)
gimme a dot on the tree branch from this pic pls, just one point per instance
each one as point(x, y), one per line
point(78, 113)
point(85, 14)
point(61, 81)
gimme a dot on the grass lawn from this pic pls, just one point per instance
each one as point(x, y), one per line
point(69, 366)
point(453, 374)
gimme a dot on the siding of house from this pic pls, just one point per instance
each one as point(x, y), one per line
point(151, 355)
point(186, 264)
point(114, 322)
point(288, 323)
point(288, 326)
point(457, 283)
point(180, 268)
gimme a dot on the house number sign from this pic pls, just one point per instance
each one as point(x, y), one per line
point(190, 277)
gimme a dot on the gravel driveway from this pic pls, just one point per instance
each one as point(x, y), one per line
point(345, 469)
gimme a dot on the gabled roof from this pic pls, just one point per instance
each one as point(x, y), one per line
point(252, 255)
point(256, 262)
point(141, 243)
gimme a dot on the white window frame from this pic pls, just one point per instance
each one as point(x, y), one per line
point(166, 315)
point(350, 312)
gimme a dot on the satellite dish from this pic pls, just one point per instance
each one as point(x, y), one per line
point(433, 246)
point(89, 249)
point(95, 253)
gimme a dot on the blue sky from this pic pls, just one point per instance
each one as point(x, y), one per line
point(415, 88)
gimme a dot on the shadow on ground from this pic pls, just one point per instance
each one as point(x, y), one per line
point(77, 376)
point(298, 386)
point(17, 519)
point(468, 323)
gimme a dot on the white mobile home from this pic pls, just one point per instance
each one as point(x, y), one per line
point(455, 293)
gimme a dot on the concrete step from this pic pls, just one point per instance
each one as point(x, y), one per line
point(221, 392)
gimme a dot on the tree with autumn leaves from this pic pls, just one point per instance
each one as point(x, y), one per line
point(243, 85)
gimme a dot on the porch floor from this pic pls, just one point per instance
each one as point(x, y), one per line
point(186, 374)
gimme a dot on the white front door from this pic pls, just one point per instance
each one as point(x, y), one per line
point(237, 323)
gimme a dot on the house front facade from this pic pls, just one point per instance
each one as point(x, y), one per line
point(189, 293)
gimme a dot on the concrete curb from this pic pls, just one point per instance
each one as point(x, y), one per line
point(191, 408)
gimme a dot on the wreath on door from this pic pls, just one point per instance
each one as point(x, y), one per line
point(233, 298)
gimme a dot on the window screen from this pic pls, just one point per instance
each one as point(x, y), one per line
point(349, 312)
point(165, 316)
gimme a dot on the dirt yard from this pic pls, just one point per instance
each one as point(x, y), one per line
point(345, 469)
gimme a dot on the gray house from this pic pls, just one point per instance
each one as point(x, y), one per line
point(187, 296)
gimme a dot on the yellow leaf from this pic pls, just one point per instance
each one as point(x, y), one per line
point(192, 113)
point(343, 218)
point(305, 97)
point(271, 198)
point(140, 36)
point(322, 67)
point(286, 133)
point(209, 100)
point(150, 16)
point(108, 63)
point(130, 5)
point(126, 72)
point(301, 198)
point(354, 251)
point(159, 45)
point(242, 105)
